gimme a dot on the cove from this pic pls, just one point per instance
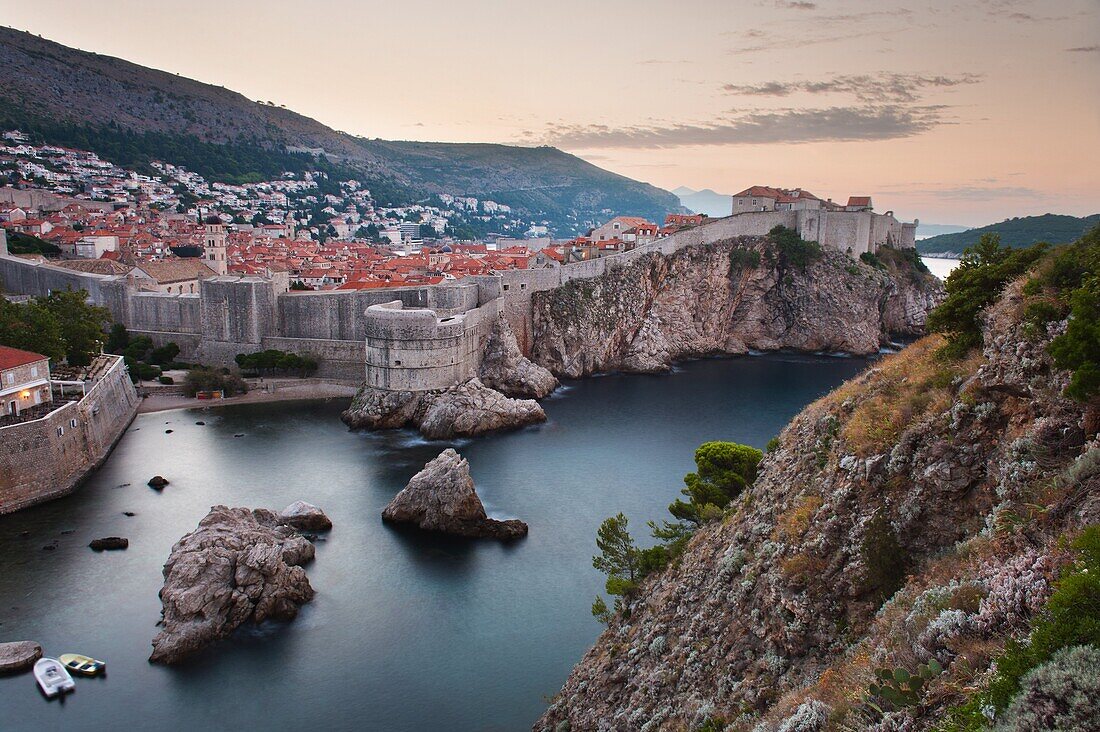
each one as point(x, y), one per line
point(408, 631)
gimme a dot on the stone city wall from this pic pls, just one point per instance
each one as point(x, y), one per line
point(51, 456)
point(233, 314)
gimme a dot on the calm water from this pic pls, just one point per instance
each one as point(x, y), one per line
point(940, 266)
point(408, 632)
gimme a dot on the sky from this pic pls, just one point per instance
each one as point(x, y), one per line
point(962, 112)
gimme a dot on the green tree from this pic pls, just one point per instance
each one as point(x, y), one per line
point(117, 339)
point(723, 469)
point(164, 354)
point(31, 327)
point(83, 326)
point(976, 283)
point(618, 555)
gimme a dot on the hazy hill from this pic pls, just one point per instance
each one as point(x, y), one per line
point(131, 114)
point(705, 201)
point(1018, 232)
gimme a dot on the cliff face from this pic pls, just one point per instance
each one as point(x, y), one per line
point(728, 297)
point(942, 487)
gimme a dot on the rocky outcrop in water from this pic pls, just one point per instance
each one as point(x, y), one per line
point(505, 368)
point(108, 543)
point(727, 297)
point(305, 517)
point(18, 656)
point(946, 490)
point(466, 409)
point(441, 497)
point(239, 566)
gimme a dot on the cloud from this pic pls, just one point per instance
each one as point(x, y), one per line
point(982, 193)
point(1084, 49)
point(796, 4)
point(778, 42)
point(757, 127)
point(864, 87)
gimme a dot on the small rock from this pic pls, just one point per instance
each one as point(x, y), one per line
point(157, 481)
point(109, 542)
point(305, 517)
point(200, 422)
point(128, 513)
point(67, 531)
point(239, 434)
point(168, 432)
point(18, 656)
point(123, 485)
point(49, 547)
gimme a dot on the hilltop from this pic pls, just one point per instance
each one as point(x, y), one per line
point(1016, 232)
point(130, 114)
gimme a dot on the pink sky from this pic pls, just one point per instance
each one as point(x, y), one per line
point(953, 112)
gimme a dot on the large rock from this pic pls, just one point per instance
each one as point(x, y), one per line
point(464, 410)
point(18, 656)
point(157, 481)
point(506, 369)
point(471, 409)
point(239, 566)
point(305, 517)
point(441, 497)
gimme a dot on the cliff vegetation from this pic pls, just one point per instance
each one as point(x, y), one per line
point(918, 549)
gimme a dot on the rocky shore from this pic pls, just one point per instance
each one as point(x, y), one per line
point(441, 497)
point(921, 512)
point(729, 298)
point(239, 566)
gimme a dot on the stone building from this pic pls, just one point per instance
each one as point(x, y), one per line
point(24, 380)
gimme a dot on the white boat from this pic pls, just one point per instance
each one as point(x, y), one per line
point(52, 677)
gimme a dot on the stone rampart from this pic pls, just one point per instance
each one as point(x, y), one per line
point(413, 349)
point(231, 315)
point(51, 456)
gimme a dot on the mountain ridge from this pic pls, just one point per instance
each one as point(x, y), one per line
point(1021, 231)
point(53, 90)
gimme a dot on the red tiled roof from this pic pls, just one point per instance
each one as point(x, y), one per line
point(859, 201)
point(10, 358)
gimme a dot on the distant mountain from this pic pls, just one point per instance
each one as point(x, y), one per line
point(132, 114)
point(925, 231)
point(1018, 232)
point(705, 201)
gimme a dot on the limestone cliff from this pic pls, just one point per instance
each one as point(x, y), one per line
point(947, 490)
point(728, 297)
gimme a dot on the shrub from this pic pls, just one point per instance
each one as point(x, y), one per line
point(884, 560)
point(773, 445)
point(871, 259)
point(793, 250)
point(793, 523)
point(164, 354)
point(272, 360)
point(975, 284)
point(204, 379)
point(1078, 349)
point(1062, 694)
point(166, 380)
point(743, 259)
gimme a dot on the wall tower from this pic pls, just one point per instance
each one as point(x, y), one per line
point(215, 245)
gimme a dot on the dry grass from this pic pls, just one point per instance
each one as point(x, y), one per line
point(801, 568)
point(793, 523)
point(905, 388)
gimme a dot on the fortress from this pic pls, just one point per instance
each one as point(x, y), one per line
point(410, 339)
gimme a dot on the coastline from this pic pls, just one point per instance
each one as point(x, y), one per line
point(281, 393)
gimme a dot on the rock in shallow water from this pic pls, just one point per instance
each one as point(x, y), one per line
point(18, 656)
point(157, 481)
point(305, 517)
point(109, 542)
point(238, 566)
point(441, 497)
point(464, 410)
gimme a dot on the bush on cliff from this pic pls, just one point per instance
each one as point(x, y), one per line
point(1071, 618)
point(723, 469)
point(204, 379)
point(974, 285)
point(1075, 274)
point(793, 250)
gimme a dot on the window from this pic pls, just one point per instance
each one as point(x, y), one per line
point(506, 288)
point(11, 378)
point(754, 202)
point(523, 285)
point(34, 371)
point(60, 431)
point(396, 363)
point(72, 423)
